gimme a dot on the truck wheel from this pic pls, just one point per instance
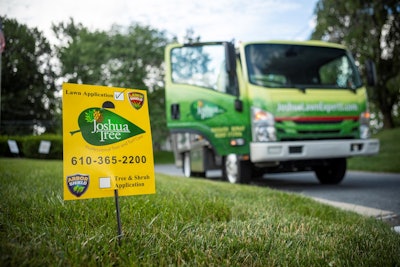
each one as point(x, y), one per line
point(236, 171)
point(187, 171)
point(333, 173)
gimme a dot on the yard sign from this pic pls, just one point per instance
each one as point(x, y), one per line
point(107, 142)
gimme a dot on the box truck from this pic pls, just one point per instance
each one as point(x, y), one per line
point(266, 107)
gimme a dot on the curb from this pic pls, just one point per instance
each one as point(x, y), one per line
point(383, 215)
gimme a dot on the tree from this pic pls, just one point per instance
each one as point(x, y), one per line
point(120, 57)
point(129, 57)
point(371, 30)
point(28, 100)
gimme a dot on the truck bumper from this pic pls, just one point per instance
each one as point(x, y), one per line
point(300, 150)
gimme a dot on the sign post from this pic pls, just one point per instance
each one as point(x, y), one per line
point(118, 216)
point(107, 143)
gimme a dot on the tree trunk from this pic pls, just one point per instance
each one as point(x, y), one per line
point(387, 119)
point(385, 103)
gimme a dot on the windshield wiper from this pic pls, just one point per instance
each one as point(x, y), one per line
point(301, 87)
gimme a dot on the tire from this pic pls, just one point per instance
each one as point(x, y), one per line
point(333, 172)
point(236, 171)
point(187, 170)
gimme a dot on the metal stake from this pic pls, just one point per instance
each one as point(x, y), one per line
point(118, 216)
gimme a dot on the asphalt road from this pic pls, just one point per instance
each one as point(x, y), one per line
point(373, 190)
point(378, 191)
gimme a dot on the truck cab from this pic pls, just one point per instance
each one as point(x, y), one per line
point(266, 107)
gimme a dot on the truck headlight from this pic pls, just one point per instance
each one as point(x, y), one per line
point(364, 125)
point(263, 126)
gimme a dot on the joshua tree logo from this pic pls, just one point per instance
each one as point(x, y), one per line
point(203, 110)
point(101, 127)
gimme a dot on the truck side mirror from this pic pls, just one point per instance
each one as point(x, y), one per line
point(230, 56)
point(230, 59)
point(371, 72)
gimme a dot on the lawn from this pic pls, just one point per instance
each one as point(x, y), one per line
point(388, 159)
point(188, 222)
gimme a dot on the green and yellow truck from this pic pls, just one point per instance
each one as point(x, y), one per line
point(266, 107)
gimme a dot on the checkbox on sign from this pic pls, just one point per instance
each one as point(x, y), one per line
point(119, 96)
point(105, 182)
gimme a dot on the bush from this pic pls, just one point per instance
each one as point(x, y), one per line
point(29, 146)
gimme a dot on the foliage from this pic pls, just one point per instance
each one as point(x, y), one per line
point(128, 57)
point(29, 146)
point(371, 29)
point(163, 157)
point(28, 81)
point(121, 57)
point(388, 159)
point(188, 222)
point(158, 122)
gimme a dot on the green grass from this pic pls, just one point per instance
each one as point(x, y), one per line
point(188, 222)
point(388, 159)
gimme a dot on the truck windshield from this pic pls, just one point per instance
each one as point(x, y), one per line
point(300, 66)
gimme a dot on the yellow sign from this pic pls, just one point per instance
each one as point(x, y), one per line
point(107, 142)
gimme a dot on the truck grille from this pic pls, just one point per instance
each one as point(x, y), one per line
point(317, 128)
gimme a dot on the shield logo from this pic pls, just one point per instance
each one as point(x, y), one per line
point(136, 99)
point(78, 184)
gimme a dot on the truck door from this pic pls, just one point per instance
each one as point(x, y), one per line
point(202, 95)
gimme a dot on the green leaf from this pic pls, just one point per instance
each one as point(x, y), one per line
point(89, 116)
point(113, 128)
